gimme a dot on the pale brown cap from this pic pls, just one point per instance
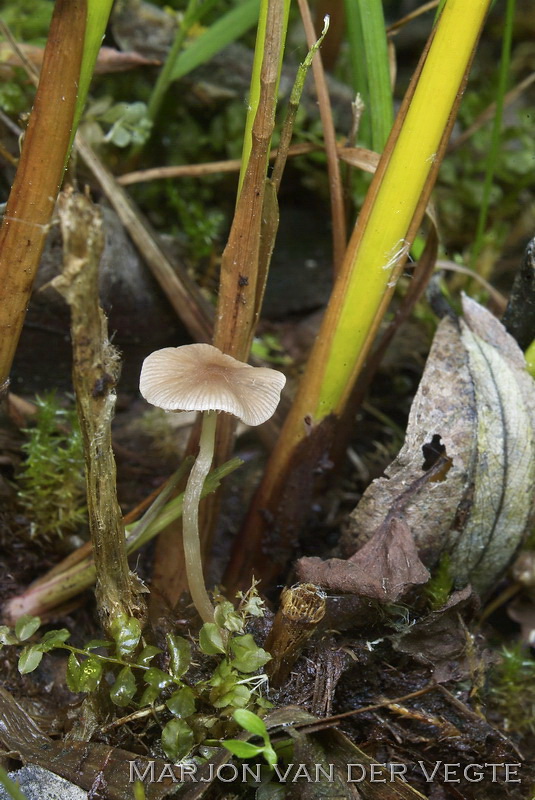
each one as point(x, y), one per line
point(199, 377)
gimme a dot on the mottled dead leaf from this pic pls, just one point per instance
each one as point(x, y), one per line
point(476, 395)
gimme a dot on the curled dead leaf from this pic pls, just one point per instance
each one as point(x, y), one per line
point(475, 398)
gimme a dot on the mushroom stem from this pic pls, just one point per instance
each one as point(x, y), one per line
point(190, 517)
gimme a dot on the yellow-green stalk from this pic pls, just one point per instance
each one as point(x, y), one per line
point(530, 358)
point(382, 237)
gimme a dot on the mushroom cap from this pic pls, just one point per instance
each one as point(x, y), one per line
point(199, 377)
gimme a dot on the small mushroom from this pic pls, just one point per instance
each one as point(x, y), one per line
point(199, 377)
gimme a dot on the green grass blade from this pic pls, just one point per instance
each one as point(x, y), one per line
point(493, 155)
point(164, 78)
point(370, 72)
point(359, 79)
point(222, 33)
point(98, 12)
point(378, 73)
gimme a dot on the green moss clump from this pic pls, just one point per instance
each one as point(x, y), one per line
point(440, 586)
point(51, 481)
point(511, 689)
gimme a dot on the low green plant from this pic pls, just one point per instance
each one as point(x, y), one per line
point(460, 190)
point(15, 94)
point(124, 668)
point(268, 348)
point(52, 484)
point(121, 124)
point(252, 724)
point(511, 689)
point(28, 20)
point(439, 588)
point(199, 222)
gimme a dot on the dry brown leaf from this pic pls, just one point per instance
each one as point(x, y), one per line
point(109, 59)
point(384, 569)
point(475, 395)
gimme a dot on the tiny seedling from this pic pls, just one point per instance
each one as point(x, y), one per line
point(254, 725)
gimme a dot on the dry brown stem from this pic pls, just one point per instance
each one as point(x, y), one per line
point(96, 370)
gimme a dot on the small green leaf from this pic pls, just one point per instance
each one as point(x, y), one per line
point(222, 689)
point(226, 616)
point(147, 654)
point(180, 652)
point(231, 694)
point(53, 639)
point(124, 688)
point(126, 633)
point(157, 678)
point(248, 656)
point(139, 791)
point(181, 703)
point(149, 696)
point(29, 659)
point(210, 639)
point(118, 135)
point(89, 674)
point(221, 673)
point(73, 673)
point(6, 636)
point(240, 697)
point(254, 606)
point(177, 739)
point(251, 722)
point(242, 749)
point(94, 643)
point(26, 626)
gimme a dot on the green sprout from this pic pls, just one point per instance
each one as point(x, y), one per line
point(256, 726)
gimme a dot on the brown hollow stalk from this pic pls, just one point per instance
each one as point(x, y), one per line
point(40, 173)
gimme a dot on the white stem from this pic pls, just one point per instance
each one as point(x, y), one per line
point(190, 518)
